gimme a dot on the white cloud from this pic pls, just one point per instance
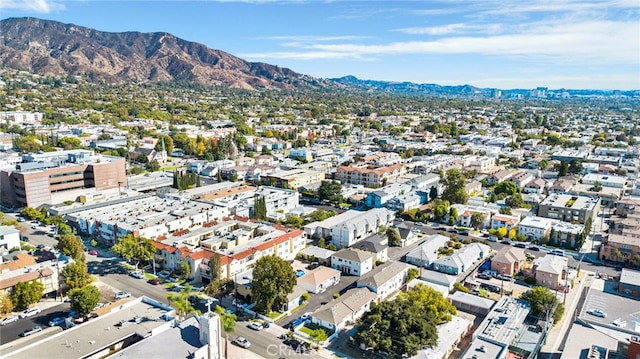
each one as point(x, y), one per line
point(548, 6)
point(601, 42)
point(39, 6)
point(450, 29)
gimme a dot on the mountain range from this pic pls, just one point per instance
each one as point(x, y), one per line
point(51, 48)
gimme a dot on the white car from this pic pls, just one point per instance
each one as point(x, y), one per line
point(30, 312)
point(255, 326)
point(243, 342)
point(122, 295)
point(9, 320)
point(136, 274)
point(597, 313)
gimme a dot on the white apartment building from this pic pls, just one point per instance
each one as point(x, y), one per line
point(9, 238)
point(535, 227)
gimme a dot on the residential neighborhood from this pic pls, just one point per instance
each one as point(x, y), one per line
point(511, 222)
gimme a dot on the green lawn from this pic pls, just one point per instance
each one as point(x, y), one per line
point(274, 315)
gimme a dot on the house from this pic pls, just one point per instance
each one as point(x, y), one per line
point(294, 299)
point(351, 226)
point(509, 260)
point(503, 220)
point(346, 309)
point(405, 202)
point(380, 197)
point(473, 186)
point(425, 254)
point(9, 238)
point(353, 261)
point(385, 279)
point(462, 260)
point(438, 278)
point(499, 176)
point(535, 228)
point(21, 267)
point(522, 178)
point(550, 271)
point(465, 218)
point(319, 279)
point(375, 244)
point(538, 185)
point(408, 235)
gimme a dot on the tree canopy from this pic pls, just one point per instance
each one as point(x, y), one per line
point(454, 191)
point(393, 236)
point(543, 301)
point(134, 249)
point(26, 293)
point(75, 275)
point(477, 220)
point(72, 246)
point(181, 301)
point(84, 299)
point(331, 191)
point(406, 324)
point(507, 187)
point(273, 280)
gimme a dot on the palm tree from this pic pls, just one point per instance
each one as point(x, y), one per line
point(228, 321)
point(181, 302)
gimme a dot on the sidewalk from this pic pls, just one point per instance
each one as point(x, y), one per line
point(558, 331)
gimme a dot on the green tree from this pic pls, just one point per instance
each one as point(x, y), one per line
point(295, 221)
point(6, 305)
point(453, 215)
point(564, 169)
point(515, 201)
point(575, 167)
point(331, 191)
point(185, 269)
point(75, 275)
point(26, 293)
point(84, 299)
point(543, 164)
point(320, 215)
point(72, 246)
point(412, 273)
point(477, 220)
point(216, 284)
point(542, 300)
point(393, 236)
point(433, 193)
point(507, 187)
point(228, 323)
point(318, 336)
point(181, 302)
point(383, 328)
point(597, 187)
point(440, 209)
point(260, 208)
point(153, 166)
point(501, 232)
point(505, 210)
point(32, 213)
point(70, 143)
point(273, 280)
point(134, 249)
point(454, 190)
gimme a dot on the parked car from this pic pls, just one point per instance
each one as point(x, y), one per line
point(492, 239)
point(597, 313)
point(57, 321)
point(10, 319)
point(164, 274)
point(520, 245)
point(98, 306)
point(243, 342)
point(33, 330)
point(122, 295)
point(136, 274)
point(300, 273)
point(484, 276)
point(154, 281)
point(534, 248)
point(30, 312)
point(93, 252)
point(255, 326)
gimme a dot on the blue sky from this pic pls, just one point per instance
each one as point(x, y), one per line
point(486, 43)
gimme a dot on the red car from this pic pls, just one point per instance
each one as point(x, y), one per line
point(93, 252)
point(154, 281)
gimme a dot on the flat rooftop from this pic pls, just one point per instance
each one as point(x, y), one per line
point(99, 333)
point(623, 311)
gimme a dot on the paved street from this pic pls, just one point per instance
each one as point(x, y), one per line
point(11, 331)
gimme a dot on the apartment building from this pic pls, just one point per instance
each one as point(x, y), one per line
point(279, 202)
point(569, 208)
point(622, 248)
point(535, 228)
point(293, 179)
point(38, 178)
point(369, 177)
